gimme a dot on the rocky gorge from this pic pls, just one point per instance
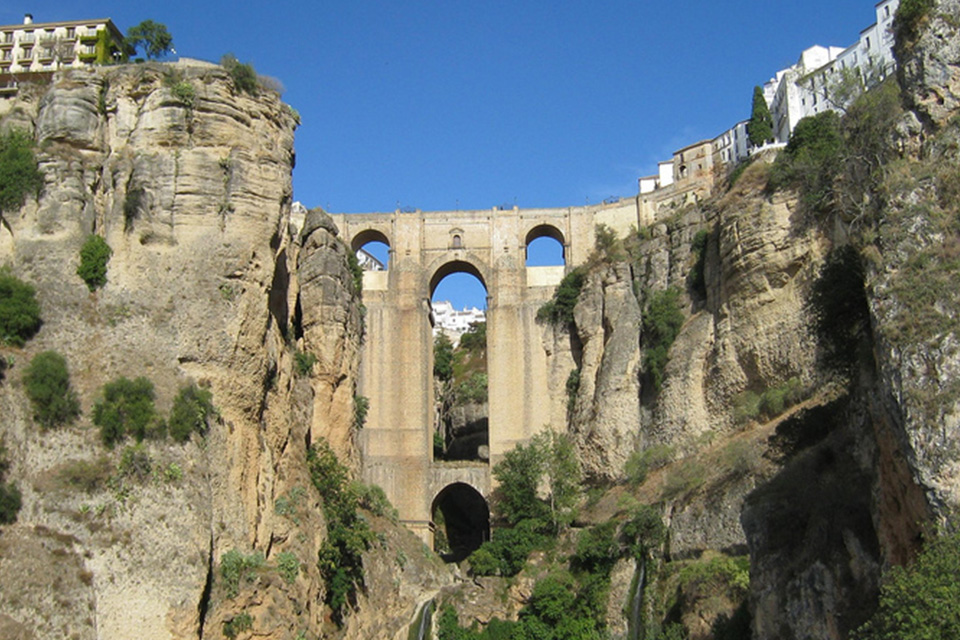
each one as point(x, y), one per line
point(798, 442)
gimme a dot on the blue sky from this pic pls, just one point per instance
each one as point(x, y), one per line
point(445, 104)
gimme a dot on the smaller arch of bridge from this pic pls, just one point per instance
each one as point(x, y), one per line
point(546, 230)
point(466, 519)
point(450, 263)
point(368, 235)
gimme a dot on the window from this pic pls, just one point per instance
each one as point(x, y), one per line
point(28, 37)
point(7, 37)
point(457, 242)
point(886, 11)
point(71, 32)
point(868, 42)
point(26, 52)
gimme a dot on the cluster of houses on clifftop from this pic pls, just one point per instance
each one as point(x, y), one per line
point(801, 90)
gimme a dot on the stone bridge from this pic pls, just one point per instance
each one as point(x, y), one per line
point(397, 361)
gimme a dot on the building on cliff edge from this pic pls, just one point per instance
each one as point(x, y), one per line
point(32, 50)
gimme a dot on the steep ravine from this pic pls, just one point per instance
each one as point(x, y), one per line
point(211, 282)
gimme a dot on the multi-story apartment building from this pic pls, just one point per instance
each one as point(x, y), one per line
point(48, 46)
point(813, 85)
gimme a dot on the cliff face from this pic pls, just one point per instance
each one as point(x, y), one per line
point(206, 284)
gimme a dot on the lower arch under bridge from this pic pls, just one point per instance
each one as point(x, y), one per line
point(526, 374)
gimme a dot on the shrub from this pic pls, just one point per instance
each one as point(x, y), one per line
point(132, 204)
point(348, 535)
point(641, 463)
point(374, 499)
point(19, 310)
point(85, 475)
point(811, 160)
point(597, 548)
point(572, 387)
point(235, 567)
point(94, 256)
point(442, 358)
point(662, 321)
point(303, 362)
point(643, 531)
point(185, 93)
point(191, 412)
point(684, 478)
point(361, 405)
point(920, 601)
point(126, 408)
point(47, 384)
point(288, 565)
point(236, 624)
point(473, 389)
point(356, 272)
point(135, 463)
point(243, 75)
point(906, 23)
point(10, 502)
point(559, 310)
point(474, 339)
point(19, 175)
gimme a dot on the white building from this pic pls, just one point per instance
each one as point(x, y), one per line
point(452, 322)
point(731, 146)
point(809, 87)
point(48, 46)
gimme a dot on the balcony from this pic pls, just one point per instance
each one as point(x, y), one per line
point(88, 37)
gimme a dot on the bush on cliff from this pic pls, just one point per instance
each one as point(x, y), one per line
point(47, 384)
point(191, 412)
point(19, 310)
point(19, 175)
point(920, 601)
point(126, 408)
point(662, 321)
point(559, 310)
point(94, 256)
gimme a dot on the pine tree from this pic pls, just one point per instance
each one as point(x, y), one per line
point(760, 127)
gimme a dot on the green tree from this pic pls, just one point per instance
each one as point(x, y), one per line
point(811, 160)
point(152, 37)
point(442, 357)
point(94, 256)
point(760, 126)
point(19, 310)
point(191, 412)
point(47, 383)
point(920, 601)
point(126, 408)
point(19, 175)
point(518, 476)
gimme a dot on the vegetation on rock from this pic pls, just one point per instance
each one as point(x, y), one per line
point(906, 24)
point(191, 412)
point(94, 256)
point(19, 310)
point(662, 320)
point(243, 75)
point(922, 600)
point(348, 534)
point(19, 175)
point(559, 310)
point(47, 384)
point(10, 497)
point(126, 408)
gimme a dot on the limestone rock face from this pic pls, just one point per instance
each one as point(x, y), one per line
point(931, 71)
point(193, 198)
point(607, 413)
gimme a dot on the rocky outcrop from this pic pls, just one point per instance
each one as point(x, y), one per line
point(930, 70)
point(192, 195)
